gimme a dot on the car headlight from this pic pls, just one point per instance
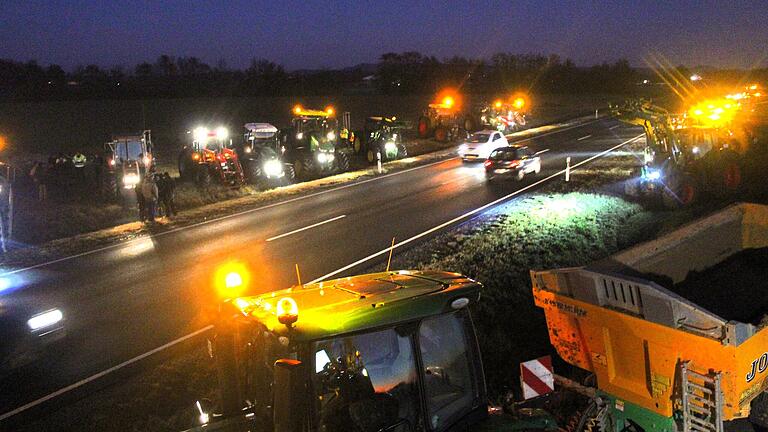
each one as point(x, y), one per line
point(273, 168)
point(45, 320)
point(331, 135)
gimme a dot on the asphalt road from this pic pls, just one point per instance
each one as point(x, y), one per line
point(125, 301)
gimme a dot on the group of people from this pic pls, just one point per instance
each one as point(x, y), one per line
point(155, 196)
point(68, 173)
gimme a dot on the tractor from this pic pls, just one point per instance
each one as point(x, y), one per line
point(442, 120)
point(210, 157)
point(686, 155)
point(129, 159)
point(503, 116)
point(382, 140)
point(261, 155)
point(315, 144)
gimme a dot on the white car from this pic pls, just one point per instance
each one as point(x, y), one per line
point(480, 144)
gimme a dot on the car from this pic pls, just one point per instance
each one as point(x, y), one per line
point(27, 330)
point(511, 161)
point(479, 145)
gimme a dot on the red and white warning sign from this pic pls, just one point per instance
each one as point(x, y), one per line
point(537, 377)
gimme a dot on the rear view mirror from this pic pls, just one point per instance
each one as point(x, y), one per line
point(288, 395)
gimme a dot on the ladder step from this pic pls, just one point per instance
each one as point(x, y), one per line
point(699, 409)
point(704, 403)
point(701, 422)
point(694, 427)
point(702, 377)
point(694, 386)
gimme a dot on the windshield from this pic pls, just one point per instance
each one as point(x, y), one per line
point(505, 154)
point(365, 382)
point(128, 150)
point(479, 138)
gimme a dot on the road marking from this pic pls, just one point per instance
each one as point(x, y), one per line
point(306, 228)
point(613, 127)
point(209, 327)
point(101, 374)
point(541, 151)
point(584, 137)
point(552, 132)
point(233, 215)
point(470, 213)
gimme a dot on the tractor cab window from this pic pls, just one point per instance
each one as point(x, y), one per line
point(128, 151)
point(451, 390)
point(366, 382)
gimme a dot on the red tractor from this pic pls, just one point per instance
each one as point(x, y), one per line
point(211, 157)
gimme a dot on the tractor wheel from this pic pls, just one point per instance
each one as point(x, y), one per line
point(469, 124)
point(252, 171)
point(402, 151)
point(732, 177)
point(682, 192)
point(424, 127)
point(342, 161)
point(370, 155)
point(290, 175)
point(357, 145)
point(203, 177)
point(303, 167)
point(110, 188)
point(441, 134)
point(185, 170)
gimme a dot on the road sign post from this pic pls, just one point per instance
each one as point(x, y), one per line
point(568, 169)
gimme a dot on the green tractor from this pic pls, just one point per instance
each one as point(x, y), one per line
point(382, 140)
point(315, 144)
point(390, 351)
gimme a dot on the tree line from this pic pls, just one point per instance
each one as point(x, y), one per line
point(395, 73)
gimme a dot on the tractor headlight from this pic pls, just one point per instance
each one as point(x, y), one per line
point(300, 135)
point(130, 180)
point(390, 147)
point(652, 174)
point(331, 135)
point(322, 157)
point(222, 133)
point(273, 168)
point(248, 149)
point(200, 134)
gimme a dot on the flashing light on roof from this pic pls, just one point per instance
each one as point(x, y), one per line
point(287, 311)
point(297, 109)
point(497, 104)
point(695, 77)
point(196, 156)
point(231, 280)
point(519, 103)
point(329, 109)
point(753, 87)
point(448, 101)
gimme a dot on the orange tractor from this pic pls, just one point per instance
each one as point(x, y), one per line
point(211, 157)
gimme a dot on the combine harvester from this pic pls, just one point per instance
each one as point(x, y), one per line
point(663, 362)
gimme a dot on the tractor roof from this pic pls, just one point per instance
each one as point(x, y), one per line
point(352, 304)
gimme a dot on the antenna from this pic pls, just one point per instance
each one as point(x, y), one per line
point(298, 275)
point(391, 249)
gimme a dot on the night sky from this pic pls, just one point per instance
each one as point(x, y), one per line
point(309, 34)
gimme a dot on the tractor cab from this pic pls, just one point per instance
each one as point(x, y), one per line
point(391, 351)
point(383, 139)
point(129, 159)
point(211, 156)
point(260, 152)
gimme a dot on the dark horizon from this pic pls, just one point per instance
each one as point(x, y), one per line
point(344, 34)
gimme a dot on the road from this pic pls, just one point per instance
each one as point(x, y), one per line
point(124, 301)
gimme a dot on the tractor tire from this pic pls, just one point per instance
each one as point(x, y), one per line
point(203, 177)
point(252, 172)
point(731, 177)
point(402, 151)
point(682, 192)
point(441, 134)
point(470, 124)
point(304, 167)
point(290, 175)
point(424, 127)
point(111, 188)
point(342, 162)
point(357, 145)
point(185, 170)
point(370, 155)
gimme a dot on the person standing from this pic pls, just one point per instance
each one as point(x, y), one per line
point(140, 202)
point(150, 192)
point(167, 194)
point(39, 175)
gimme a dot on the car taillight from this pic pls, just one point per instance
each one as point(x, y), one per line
point(487, 163)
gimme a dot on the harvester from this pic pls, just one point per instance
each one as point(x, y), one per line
point(211, 157)
point(129, 158)
point(686, 155)
point(316, 144)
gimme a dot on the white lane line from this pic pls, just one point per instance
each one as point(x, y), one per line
point(306, 228)
point(101, 374)
point(613, 127)
point(512, 137)
point(584, 137)
point(347, 267)
point(542, 151)
point(470, 213)
point(288, 201)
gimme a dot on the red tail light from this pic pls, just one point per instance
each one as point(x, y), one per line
point(487, 163)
